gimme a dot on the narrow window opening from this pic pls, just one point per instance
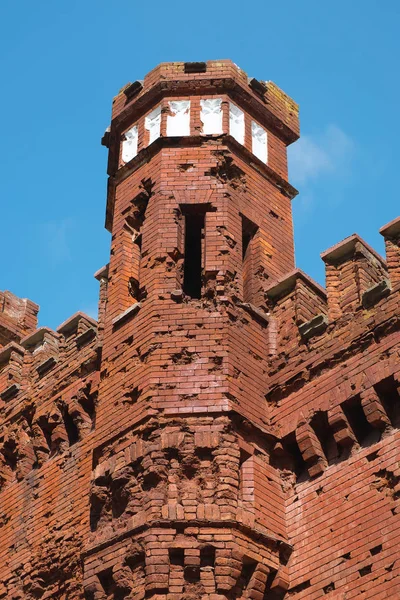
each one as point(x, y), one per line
point(106, 581)
point(10, 454)
point(249, 230)
point(134, 219)
point(138, 241)
point(88, 402)
point(44, 426)
point(193, 268)
point(207, 557)
point(362, 429)
point(134, 288)
point(176, 557)
point(70, 427)
point(176, 561)
point(324, 433)
point(270, 579)
point(389, 396)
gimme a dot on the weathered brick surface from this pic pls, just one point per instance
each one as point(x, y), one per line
point(237, 439)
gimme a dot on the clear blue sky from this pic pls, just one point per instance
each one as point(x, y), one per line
point(62, 62)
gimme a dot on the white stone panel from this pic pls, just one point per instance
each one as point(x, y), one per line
point(130, 144)
point(259, 142)
point(178, 121)
point(153, 124)
point(211, 115)
point(236, 123)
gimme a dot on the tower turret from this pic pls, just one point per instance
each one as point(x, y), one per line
point(199, 208)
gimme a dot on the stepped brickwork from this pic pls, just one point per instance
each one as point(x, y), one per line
point(227, 429)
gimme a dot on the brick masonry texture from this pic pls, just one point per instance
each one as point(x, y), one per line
point(227, 428)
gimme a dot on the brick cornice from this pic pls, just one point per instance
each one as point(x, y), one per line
point(245, 98)
point(257, 533)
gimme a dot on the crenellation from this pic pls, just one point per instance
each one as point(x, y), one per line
point(76, 325)
point(43, 345)
point(299, 307)
point(352, 268)
point(18, 317)
point(11, 363)
point(391, 233)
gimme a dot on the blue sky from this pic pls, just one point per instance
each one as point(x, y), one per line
point(63, 61)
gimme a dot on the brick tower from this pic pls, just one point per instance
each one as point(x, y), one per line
point(200, 216)
point(227, 429)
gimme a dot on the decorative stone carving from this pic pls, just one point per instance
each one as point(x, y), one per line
point(211, 115)
point(259, 142)
point(236, 123)
point(130, 144)
point(178, 121)
point(152, 124)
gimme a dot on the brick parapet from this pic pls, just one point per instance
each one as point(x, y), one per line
point(18, 317)
point(391, 233)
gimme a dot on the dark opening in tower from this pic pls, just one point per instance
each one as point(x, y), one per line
point(249, 230)
point(193, 262)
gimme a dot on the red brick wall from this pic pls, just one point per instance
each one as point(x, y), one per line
point(239, 443)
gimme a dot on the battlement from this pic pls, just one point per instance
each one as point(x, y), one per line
point(391, 233)
point(18, 316)
point(357, 279)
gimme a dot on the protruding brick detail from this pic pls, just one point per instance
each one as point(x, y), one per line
point(352, 268)
point(102, 277)
point(227, 429)
point(18, 317)
point(391, 233)
point(295, 301)
point(310, 449)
